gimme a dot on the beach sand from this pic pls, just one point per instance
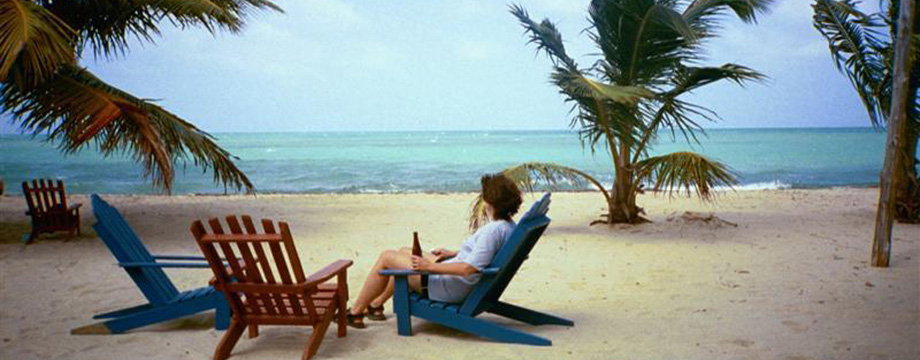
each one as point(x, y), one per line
point(790, 281)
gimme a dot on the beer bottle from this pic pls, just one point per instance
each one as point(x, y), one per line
point(416, 247)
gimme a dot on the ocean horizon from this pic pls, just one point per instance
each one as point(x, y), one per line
point(452, 161)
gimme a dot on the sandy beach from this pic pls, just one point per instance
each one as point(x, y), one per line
point(785, 278)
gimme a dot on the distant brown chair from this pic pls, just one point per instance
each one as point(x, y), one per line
point(47, 204)
point(262, 294)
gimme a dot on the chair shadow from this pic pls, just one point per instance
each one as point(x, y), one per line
point(13, 232)
point(294, 339)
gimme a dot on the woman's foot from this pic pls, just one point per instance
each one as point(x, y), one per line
point(354, 320)
point(375, 313)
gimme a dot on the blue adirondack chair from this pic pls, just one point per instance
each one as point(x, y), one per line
point(165, 301)
point(485, 295)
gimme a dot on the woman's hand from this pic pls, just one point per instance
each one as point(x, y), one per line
point(421, 264)
point(442, 253)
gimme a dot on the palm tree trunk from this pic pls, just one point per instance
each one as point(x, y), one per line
point(899, 128)
point(622, 206)
point(907, 195)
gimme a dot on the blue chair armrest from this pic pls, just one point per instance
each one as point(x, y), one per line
point(179, 257)
point(389, 272)
point(165, 265)
point(490, 271)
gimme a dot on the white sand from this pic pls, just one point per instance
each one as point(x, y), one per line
point(791, 281)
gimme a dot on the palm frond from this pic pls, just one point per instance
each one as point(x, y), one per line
point(528, 175)
point(545, 36)
point(641, 40)
point(76, 108)
point(685, 171)
point(33, 43)
point(689, 78)
point(576, 84)
point(854, 45)
point(598, 119)
point(704, 12)
point(676, 114)
point(212, 14)
point(107, 26)
point(595, 104)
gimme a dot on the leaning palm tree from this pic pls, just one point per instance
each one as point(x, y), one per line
point(862, 46)
point(45, 90)
point(650, 50)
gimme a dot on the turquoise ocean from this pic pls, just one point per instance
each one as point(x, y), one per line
point(452, 161)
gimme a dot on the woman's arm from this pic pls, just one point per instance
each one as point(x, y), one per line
point(455, 268)
point(442, 253)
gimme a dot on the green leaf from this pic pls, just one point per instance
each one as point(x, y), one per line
point(76, 108)
point(33, 42)
point(854, 45)
point(687, 171)
point(707, 10)
point(577, 85)
point(107, 26)
point(545, 36)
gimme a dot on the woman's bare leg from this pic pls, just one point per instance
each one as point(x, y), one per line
point(391, 284)
point(387, 293)
point(376, 284)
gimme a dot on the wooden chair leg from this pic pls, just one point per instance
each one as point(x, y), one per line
point(253, 331)
point(341, 320)
point(317, 337)
point(229, 340)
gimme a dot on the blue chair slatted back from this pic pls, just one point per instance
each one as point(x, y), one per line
point(509, 258)
point(127, 247)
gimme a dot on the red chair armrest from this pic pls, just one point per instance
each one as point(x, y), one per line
point(327, 272)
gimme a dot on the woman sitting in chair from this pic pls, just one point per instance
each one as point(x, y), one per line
point(453, 278)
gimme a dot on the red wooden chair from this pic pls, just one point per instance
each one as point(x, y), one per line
point(264, 282)
point(48, 208)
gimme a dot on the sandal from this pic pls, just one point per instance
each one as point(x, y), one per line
point(355, 321)
point(375, 313)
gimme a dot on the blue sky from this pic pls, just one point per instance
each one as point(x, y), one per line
point(334, 65)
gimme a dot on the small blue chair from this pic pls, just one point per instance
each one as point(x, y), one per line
point(165, 302)
point(486, 294)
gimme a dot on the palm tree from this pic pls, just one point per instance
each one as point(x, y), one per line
point(864, 51)
point(650, 50)
point(44, 88)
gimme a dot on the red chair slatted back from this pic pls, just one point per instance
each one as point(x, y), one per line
point(47, 204)
point(258, 270)
point(44, 196)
